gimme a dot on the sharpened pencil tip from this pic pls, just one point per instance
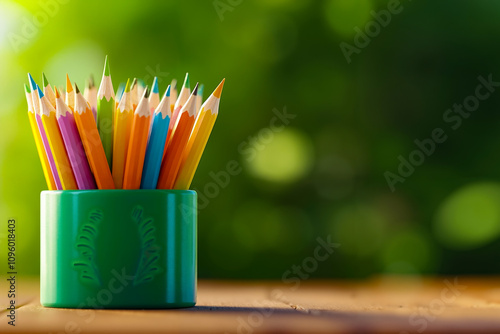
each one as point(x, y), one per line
point(32, 82)
point(40, 93)
point(218, 90)
point(56, 92)
point(27, 89)
point(106, 66)
point(127, 86)
point(76, 89)
point(186, 81)
point(174, 84)
point(69, 87)
point(155, 85)
point(146, 92)
point(45, 82)
point(91, 81)
point(167, 93)
point(200, 90)
point(133, 83)
point(195, 90)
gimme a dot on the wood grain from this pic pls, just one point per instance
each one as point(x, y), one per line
point(381, 305)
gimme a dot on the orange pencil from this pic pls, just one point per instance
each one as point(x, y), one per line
point(207, 114)
point(89, 134)
point(173, 157)
point(133, 93)
point(181, 101)
point(137, 144)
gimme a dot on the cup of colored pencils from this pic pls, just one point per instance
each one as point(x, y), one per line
point(118, 221)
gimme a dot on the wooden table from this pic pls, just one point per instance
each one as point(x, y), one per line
point(381, 305)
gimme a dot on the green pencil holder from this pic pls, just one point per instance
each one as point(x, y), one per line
point(118, 248)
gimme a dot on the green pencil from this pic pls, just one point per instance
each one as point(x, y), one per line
point(105, 110)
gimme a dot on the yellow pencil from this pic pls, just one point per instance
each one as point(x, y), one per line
point(137, 145)
point(47, 173)
point(124, 116)
point(47, 90)
point(56, 143)
point(198, 139)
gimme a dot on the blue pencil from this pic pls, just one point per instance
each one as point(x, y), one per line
point(119, 91)
point(156, 143)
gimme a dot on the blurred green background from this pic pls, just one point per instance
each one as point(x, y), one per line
point(321, 175)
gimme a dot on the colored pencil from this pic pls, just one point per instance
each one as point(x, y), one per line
point(124, 116)
point(92, 143)
point(70, 94)
point(173, 94)
point(172, 160)
point(47, 173)
point(137, 144)
point(156, 142)
point(105, 110)
point(181, 100)
point(141, 87)
point(47, 90)
point(133, 93)
point(154, 97)
point(199, 98)
point(50, 157)
point(56, 143)
point(73, 144)
point(90, 94)
point(198, 139)
point(119, 93)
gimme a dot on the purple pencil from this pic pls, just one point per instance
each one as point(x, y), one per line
point(46, 146)
point(73, 144)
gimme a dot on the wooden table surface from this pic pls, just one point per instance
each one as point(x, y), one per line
point(381, 305)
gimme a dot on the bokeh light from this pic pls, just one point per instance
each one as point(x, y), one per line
point(86, 54)
point(469, 217)
point(282, 157)
point(12, 17)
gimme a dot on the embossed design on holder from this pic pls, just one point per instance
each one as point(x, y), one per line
point(147, 267)
point(85, 244)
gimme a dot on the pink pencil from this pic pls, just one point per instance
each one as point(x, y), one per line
point(46, 146)
point(77, 158)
